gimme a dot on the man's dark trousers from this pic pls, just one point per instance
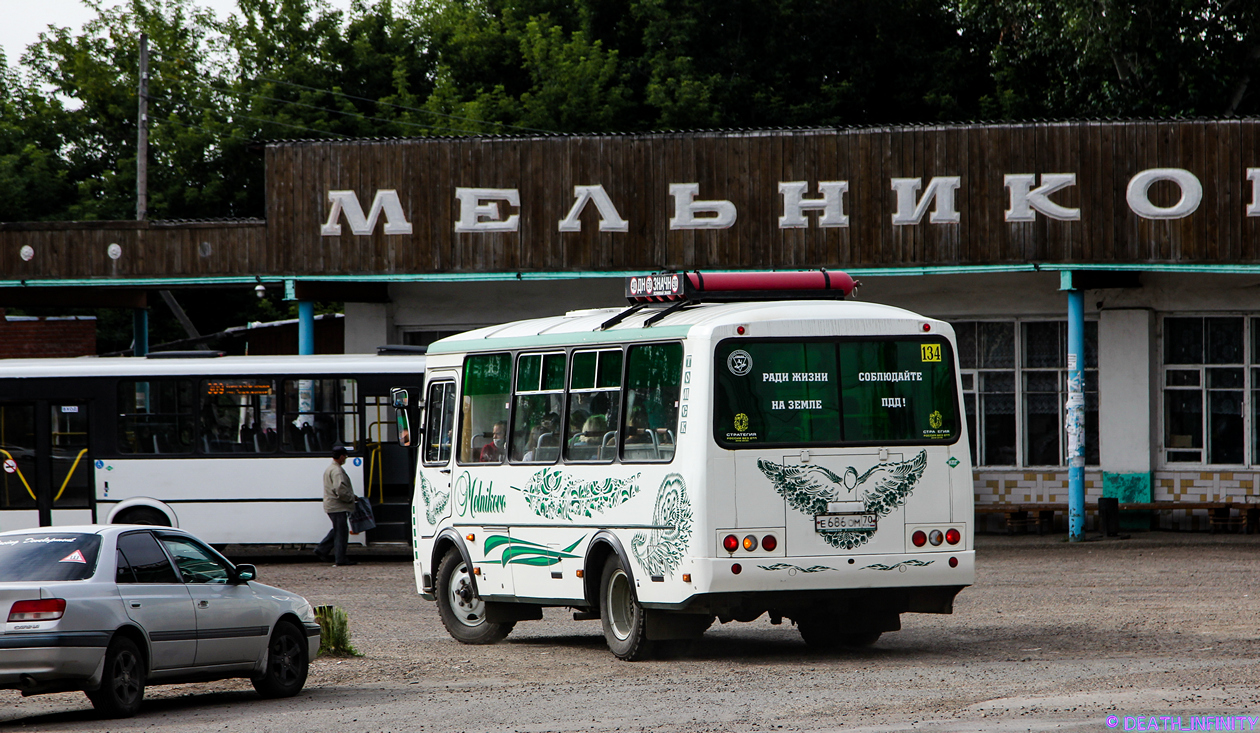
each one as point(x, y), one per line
point(337, 538)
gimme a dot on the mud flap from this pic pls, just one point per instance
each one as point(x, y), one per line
point(663, 625)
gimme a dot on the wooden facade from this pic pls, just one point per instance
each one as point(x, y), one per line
point(744, 168)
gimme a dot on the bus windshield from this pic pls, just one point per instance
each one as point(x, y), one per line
point(834, 392)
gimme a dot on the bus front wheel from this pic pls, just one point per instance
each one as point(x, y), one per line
point(462, 610)
point(625, 623)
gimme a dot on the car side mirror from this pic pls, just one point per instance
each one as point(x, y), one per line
point(246, 573)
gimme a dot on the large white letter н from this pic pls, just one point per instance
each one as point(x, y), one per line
point(940, 190)
point(795, 204)
point(686, 207)
point(475, 216)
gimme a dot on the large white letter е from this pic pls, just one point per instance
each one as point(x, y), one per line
point(475, 216)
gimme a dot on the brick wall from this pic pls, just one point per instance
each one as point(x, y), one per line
point(25, 337)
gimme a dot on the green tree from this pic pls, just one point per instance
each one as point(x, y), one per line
point(34, 179)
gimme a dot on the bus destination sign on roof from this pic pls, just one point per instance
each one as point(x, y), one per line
point(665, 286)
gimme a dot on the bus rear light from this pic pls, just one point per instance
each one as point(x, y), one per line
point(935, 537)
point(953, 536)
point(927, 327)
point(731, 543)
point(44, 609)
point(750, 543)
point(737, 568)
point(686, 577)
point(769, 543)
point(918, 538)
point(740, 330)
point(953, 562)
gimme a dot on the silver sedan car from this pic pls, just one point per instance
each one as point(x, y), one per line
point(110, 609)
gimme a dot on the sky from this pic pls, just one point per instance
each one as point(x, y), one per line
point(23, 20)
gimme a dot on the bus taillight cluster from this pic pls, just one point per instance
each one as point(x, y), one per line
point(768, 543)
point(936, 537)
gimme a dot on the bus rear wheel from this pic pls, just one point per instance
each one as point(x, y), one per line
point(624, 621)
point(462, 610)
point(143, 515)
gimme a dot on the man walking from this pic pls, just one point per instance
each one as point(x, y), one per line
point(338, 503)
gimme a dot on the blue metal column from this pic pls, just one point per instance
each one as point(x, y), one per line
point(306, 327)
point(140, 332)
point(1075, 413)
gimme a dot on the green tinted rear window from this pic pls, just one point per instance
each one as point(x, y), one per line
point(834, 392)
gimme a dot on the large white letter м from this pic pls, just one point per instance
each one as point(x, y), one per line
point(386, 201)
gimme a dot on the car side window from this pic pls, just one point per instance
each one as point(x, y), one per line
point(196, 564)
point(146, 558)
point(123, 573)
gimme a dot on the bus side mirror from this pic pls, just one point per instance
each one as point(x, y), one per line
point(405, 409)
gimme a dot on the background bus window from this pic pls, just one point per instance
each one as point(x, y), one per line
point(484, 418)
point(439, 413)
point(238, 416)
point(594, 404)
point(653, 381)
point(535, 436)
point(17, 440)
point(156, 416)
point(71, 465)
point(898, 391)
point(319, 414)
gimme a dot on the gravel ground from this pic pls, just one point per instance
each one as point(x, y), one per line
point(1053, 636)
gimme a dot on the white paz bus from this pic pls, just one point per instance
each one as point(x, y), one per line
point(731, 445)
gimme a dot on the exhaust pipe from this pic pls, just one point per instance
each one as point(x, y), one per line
point(27, 682)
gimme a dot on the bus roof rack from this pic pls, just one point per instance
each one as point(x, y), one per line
point(186, 354)
point(682, 289)
point(399, 349)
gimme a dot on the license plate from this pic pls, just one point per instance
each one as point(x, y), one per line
point(843, 522)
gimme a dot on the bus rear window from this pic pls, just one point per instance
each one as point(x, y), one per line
point(833, 392)
point(48, 556)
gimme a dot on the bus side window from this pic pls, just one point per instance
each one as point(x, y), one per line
point(319, 414)
point(484, 415)
point(439, 420)
point(594, 404)
point(535, 435)
point(155, 416)
point(238, 416)
point(653, 381)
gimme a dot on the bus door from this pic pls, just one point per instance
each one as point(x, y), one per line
point(47, 476)
point(388, 472)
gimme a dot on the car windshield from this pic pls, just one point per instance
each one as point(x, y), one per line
point(47, 556)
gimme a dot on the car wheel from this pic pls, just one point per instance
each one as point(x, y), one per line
point(143, 515)
point(625, 623)
point(462, 610)
point(122, 685)
point(287, 663)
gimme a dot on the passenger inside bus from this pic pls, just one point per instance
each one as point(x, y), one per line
point(493, 451)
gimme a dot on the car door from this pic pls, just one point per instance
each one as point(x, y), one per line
point(156, 599)
point(231, 628)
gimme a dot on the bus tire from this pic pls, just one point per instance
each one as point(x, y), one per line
point(462, 610)
point(623, 619)
point(143, 515)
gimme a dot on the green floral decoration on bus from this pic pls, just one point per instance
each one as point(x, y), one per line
point(524, 552)
point(434, 501)
point(553, 495)
point(661, 550)
point(809, 488)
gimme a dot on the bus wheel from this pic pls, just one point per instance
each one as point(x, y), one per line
point(625, 623)
point(143, 515)
point(462, 610)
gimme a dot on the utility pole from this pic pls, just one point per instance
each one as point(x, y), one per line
point(142, 141)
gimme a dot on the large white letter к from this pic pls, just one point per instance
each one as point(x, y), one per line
point(1025, 199)
point(386, 200)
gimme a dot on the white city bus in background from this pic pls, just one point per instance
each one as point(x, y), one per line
point(231, 448)
point(732, 445)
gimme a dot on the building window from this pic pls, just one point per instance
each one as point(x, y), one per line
point(1014, 376)
point(1205, 394)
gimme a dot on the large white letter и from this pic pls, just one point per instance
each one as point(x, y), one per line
point(795, 204)
point(1025, 200)
point(474, 216)
point(940, 190)
point(386, 201)
point(609, 219)
point(686, 207)
point(1138, 193)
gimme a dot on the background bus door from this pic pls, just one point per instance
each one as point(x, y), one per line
point(47, 470)
point(388, 473)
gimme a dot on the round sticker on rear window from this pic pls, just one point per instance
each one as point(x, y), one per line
point(739, 362)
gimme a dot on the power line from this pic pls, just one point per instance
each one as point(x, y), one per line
point(254, 119)
point(411, 109)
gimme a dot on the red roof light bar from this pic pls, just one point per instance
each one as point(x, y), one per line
point(735, 286)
